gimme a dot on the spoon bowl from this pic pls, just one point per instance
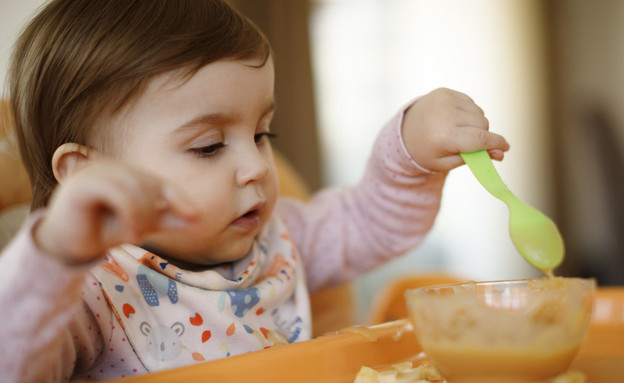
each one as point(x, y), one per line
point(534, 235)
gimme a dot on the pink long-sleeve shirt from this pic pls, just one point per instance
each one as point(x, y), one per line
point(55, 323)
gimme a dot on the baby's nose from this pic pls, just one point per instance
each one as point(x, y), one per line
point(252, 167)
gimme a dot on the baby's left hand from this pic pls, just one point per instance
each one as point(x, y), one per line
point(444, 123)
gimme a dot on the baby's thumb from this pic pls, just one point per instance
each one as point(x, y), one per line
point(496, 154)
point(170, 220)
point(496, 143)
point(472, 139)
point(178, 208)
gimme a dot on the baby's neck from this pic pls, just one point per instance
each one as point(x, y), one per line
point(188, 266)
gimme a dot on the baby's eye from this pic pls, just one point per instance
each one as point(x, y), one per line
point(259, 136)
point(207, 151)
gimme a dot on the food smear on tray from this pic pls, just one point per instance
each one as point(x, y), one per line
point(361, 330)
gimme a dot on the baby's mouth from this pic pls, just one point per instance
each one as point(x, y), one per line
point(255, 210)
point(251, 219)
point(251, 214)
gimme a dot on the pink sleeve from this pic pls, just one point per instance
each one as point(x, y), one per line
point(47, 331)
point(343, 233)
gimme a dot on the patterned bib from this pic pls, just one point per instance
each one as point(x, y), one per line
point(174, 317)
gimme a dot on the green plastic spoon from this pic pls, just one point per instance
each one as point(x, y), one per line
point(534, 235)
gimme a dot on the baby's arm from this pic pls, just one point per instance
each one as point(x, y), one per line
point(45, 331)
point(343, 233)
point(44, 325)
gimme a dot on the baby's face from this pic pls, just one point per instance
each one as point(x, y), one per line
point(208, 136)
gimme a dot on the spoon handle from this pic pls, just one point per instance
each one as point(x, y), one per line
point(483, 169)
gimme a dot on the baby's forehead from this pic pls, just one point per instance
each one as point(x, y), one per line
point(229, 87)
point(172, 80)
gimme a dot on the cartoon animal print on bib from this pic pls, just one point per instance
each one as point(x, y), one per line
point(175, 317)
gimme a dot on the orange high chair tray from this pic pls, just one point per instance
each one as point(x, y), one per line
point(337, 357)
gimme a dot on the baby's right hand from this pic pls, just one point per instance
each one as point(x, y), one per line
point(106, 204)
point(444, 123)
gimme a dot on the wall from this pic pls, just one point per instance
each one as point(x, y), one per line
point(372, 56)
point(588, 89)
point(13, 14)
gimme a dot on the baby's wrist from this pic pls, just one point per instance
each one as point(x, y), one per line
point(46, 244)
point(409, 150)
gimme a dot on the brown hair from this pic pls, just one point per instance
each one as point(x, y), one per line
point(79, 57)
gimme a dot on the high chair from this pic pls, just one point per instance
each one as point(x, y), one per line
point(17, 190)
point(389, 303)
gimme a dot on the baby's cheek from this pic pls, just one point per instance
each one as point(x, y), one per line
point(272, 191)
point(211, 198)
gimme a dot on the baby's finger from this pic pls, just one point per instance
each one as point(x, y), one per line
point(496, 154)
point(179, 203)
point(129, 202)
point(456, 94)
point(473, 119)
point(469, 139)
point(470, 106)
point(145, 203)
point(126, 213)
point(446, 163)
point(176, 210)
point(159, 205)
point(465, 103)
point(452, 161)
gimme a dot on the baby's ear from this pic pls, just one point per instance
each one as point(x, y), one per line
point(69, 158)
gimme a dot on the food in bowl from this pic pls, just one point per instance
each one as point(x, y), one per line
point(512, 331)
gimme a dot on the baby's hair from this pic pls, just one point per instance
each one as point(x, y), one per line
point(77, 58)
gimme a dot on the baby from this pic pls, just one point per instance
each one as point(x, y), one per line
point(157, 238)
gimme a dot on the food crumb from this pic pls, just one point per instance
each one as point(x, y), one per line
point(399, 373)
point(571, 377)
point(366, 375)
point(398, 334)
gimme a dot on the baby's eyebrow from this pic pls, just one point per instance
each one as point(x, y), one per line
point(217, 118)
point(204, 120)
point(269, 109)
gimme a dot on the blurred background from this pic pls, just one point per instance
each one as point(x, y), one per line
point(548, 73)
